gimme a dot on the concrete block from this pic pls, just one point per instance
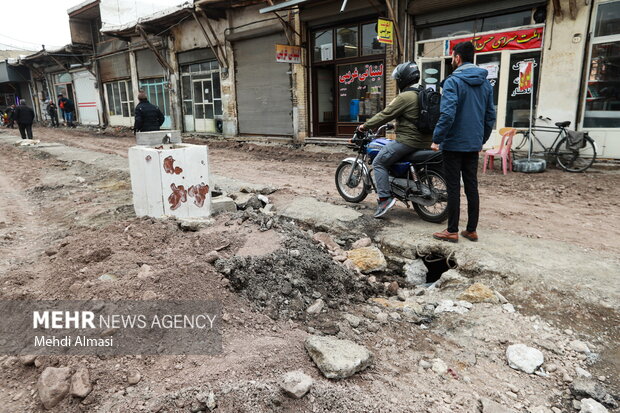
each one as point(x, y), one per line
point(170, 180)
point(223, 204)
point(155, 138)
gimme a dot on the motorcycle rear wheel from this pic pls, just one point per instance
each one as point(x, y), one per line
point(354, 191)
point(438, 212)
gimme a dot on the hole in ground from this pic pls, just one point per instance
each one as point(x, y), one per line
point(437, 264)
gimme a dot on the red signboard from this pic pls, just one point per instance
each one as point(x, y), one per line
point(513, 40)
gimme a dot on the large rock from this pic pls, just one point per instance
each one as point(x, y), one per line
point(337, 359)
point(524, 358)
point(296, 384)
point(368, 259)
point(478, 293)
point(325, 239)
point(415, 272)
point(53, 385)
point(592, 406)
point(316, 308)
point(361, 243)
point(80, 383)
point(450, 278)
point(588, 388)
point(489, 406)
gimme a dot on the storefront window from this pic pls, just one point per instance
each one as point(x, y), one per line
point(360, 91)
point(518, 102)
point(520, 18)
point(346, 41)
point(323, 45)
point(491, 62)
point(120, 98)
point(602, 107)
point(608, 19)
point(370, 43)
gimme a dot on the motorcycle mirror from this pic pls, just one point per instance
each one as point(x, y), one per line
point(389, 126)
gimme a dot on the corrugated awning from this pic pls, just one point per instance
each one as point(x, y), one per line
point(281, 6)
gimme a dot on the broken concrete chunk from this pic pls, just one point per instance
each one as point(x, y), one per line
point(337, 359)
point(316, 307)
point(296, 384)
point(415, 272)
point(325, 239)
point(134, 377)
point(579, 346)
point(368, 259)
point(489, 406)
point(194, 224)
point(53, 385)
point(524, 358)
point(479, 293)
point(222, 204)
point(588, 388)
point(361, 243)
point(450, 278)
point(592, 406)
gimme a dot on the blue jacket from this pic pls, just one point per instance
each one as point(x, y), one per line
point(467, 110)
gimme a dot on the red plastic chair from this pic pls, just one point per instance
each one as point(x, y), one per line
point(503, 151)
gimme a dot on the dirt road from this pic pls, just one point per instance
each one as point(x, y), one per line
point(65, 224)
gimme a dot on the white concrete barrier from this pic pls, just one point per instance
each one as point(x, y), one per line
point(155, 138)
point(170, 180)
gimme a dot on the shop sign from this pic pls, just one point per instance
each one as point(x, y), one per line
point(385, 31)
point(288, 54)
point(512, 40)
point(369, 71)
point(525, 76)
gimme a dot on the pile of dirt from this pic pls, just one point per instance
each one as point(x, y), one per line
point(284, 283)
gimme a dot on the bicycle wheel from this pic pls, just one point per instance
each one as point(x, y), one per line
point(575, 160)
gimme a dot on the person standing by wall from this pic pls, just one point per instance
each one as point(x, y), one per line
point(148, 116)
point(68, 108)
point(24, 116)
point(465, 124)
point(10, 112)
point(52, 111)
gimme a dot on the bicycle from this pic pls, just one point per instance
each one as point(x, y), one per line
point(568, 158)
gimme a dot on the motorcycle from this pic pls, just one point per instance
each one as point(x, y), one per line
point(417, 180)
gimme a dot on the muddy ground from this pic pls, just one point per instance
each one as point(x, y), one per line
point(63, 225)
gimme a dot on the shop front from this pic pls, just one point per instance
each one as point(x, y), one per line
point(118, 89)
point(154, 83)
point(502, 41)
point(348, 69)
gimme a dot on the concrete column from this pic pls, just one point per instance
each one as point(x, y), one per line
point(175, 88)
point(133, 69)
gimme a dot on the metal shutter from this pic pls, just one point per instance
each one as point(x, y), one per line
point(264, 99)
point(449, 10)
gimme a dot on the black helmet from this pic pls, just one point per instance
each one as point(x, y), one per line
point(406, 74)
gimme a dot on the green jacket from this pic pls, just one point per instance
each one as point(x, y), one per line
point(404, 108)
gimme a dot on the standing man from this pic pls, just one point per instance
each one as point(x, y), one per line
point(465, 124)
point(148, 116)
point(24, 116)
point(69, 109)
point(52, 111)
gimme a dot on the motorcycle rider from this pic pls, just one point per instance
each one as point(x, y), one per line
point(404, 108)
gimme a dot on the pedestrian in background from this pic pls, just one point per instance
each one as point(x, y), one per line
point(52, 111)
point(465, 124)
point(10, 111)
point(24, 116)
point(148, 116)
point(68, 108)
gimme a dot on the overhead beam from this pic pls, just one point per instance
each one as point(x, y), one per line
point(216, 50)
point(163, 62)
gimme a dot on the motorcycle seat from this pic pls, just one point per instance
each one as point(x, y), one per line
point(425, 155)
point(563, 124)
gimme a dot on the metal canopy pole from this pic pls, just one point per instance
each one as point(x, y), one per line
point(159, 57)
point(215, 50)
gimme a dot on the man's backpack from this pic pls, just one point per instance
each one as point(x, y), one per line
point(429, 102)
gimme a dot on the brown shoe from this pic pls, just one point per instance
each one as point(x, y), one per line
point(446, 236)
point(472, 236)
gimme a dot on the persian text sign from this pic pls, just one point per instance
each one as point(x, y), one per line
point(385, 31)
point(288, 54)
point(513, 40)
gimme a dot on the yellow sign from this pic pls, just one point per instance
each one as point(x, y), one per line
point(385, 31)
point(288, 54)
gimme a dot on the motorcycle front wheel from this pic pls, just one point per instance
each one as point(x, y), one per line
point(438, 211)
point(352, 189)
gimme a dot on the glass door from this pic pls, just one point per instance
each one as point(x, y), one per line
point(157, 94)
point(204, 118)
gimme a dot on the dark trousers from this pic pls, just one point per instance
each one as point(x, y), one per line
point(25, 129)
point(54, 119)
point(456, 164)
